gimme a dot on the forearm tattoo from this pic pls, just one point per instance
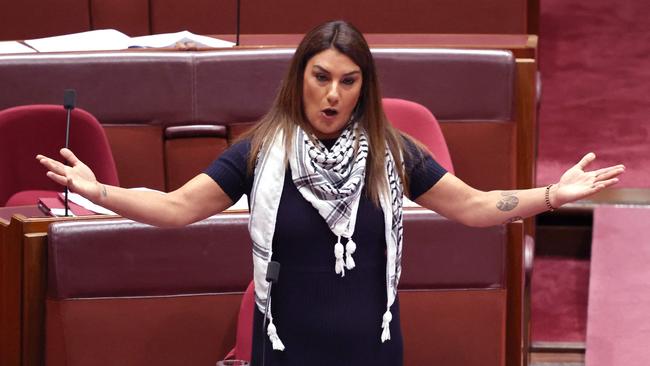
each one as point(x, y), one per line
point(508, 201)
point(513, 219)
point(104, 194)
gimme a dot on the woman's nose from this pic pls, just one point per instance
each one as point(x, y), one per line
point(333, 94)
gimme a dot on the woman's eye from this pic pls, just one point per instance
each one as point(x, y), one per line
point(348, 81)
point(321, 77)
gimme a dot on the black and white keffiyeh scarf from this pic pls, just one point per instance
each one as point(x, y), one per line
point(332, 181)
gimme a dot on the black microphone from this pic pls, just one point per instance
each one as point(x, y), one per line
point(238, 18)
point(272, 272)
point(272, 275)
point(69, 99)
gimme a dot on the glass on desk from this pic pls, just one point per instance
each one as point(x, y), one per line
point(232, 363)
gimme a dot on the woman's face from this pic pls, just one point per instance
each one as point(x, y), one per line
point(331, 88)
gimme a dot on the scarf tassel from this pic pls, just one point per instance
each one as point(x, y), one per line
point(273, 336)
point(338, 253)
point(350, 248)
point(385, 324)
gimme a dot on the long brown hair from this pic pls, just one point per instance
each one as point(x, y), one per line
point(288, 110)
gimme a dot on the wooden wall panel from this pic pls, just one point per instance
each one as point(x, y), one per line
point(33, 18)
point(28, 19)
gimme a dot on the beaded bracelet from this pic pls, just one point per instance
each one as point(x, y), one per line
point(547, 198)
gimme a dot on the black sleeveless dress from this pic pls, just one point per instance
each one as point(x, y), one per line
point(321, 317)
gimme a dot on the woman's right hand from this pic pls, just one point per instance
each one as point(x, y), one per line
point(197, 199)
point(77, 176)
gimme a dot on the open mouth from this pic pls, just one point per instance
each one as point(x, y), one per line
point(330, 112)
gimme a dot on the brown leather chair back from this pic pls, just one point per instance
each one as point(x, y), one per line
point(453, 296)
point(125, 293)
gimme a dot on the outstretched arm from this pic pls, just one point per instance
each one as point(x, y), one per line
point(199, 198)
point(454, 199)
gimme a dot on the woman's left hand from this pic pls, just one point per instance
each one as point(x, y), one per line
point(576, 183)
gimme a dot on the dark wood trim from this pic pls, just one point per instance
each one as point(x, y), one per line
point(532, 19)
point(34, 292)
point(558, 347)
point(515, 324)
point(91, 24)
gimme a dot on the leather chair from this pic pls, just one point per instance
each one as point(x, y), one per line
point(244, 338)
point(417, 121)
point(125, 293)
point(40, 129)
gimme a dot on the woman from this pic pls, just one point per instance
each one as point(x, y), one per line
point(325, 172)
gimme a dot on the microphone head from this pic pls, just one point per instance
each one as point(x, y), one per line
point(272, 272)
point(69, 98)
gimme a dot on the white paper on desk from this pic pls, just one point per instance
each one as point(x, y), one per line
point(170, 39)
point(239, 206)
point(14, 47)
point(95, 40)
point(88, 205)
point(408, 203)
point(85, 203)
point(60, 212)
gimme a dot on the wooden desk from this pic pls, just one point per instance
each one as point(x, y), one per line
point(23, 283)
point(521, 45)
point(23, 240)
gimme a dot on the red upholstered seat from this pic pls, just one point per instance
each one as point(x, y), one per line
point(30, 197)
point(244, 339)
point(40, 129)
point(417, 121)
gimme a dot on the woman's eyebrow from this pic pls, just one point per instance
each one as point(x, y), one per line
point(352, 73)
point(322, 69)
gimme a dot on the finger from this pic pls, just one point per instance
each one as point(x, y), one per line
point(57, 178)
point(608, 174)
point(53, 165)
point(40, 157)
point(69, 156)
point(599, 172)
point(586, 160)
point(604, 184)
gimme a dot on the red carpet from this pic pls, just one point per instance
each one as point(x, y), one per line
point(559, 299)
point(618, 325)
point(595, 65)
point(595, 68)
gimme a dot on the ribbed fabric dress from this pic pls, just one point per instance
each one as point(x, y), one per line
point(321, 317)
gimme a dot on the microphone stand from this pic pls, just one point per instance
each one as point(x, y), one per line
point(266, 313)
point(69, 96)
point(67, 142)
point(272, 274)
point(238, 18)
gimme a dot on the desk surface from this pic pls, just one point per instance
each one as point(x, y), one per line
point(522, 45)
point(400, 39)
point(28, 211)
